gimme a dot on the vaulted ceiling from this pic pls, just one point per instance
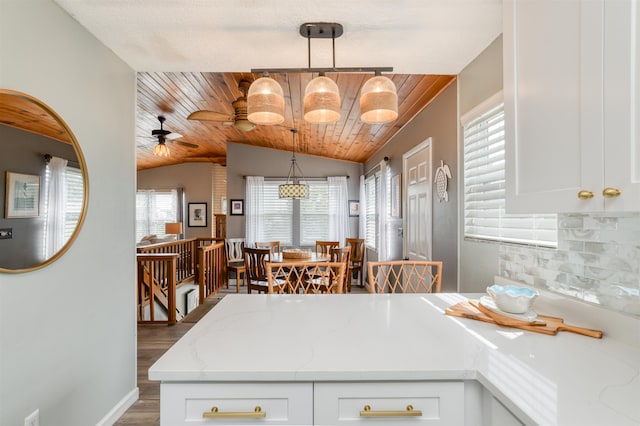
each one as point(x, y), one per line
point(191, 54)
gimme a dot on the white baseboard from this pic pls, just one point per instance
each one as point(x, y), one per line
point(120, 408)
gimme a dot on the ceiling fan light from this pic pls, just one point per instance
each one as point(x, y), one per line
point(244, 125)
point(161, 150)
point(378, 101)
point(265, 102)
point(322, 101)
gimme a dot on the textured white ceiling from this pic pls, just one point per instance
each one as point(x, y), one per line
point(413, 36)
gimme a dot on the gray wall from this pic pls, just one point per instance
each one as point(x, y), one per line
point(197, 181)
point(481, 79)
point(438, 121)
point(25, 249)
point(68, 331)
point(247, 160)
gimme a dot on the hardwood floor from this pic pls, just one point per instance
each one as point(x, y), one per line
point(153, 341)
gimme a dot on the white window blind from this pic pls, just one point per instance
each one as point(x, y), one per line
point(75, 197)
point(484, 188)
point(314, 214)
point(371, 224)
point(277, 215)
point(154, 208)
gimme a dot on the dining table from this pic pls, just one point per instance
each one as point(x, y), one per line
point(315, 257)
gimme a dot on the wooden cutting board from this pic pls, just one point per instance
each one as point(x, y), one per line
point(545, 324)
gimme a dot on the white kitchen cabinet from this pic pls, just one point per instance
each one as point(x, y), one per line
point(389, 403)
point(236, 403)
point(572, 98)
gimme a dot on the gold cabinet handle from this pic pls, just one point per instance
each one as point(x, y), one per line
point(611, 192)
point(585, 195)
point(257, 413)
point(409, 412)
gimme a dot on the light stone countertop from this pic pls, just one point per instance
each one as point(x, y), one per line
point(566, 379)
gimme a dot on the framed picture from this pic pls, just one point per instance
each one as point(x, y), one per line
point(396, 198)
point(354, 208)
point(237, 207)
point(197, 215)
point(22, 197)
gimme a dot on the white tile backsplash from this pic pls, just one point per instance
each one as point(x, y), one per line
point(597, 260)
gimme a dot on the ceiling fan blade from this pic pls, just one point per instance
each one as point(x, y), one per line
point(187, 144)
point(228, 123)
point(204, 115)
point(172, 136)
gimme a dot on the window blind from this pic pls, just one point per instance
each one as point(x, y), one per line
point(371, 224)
point(314, 214)
point(75, 198)
point(154, 208)
point(484, 188)
point(277, 215)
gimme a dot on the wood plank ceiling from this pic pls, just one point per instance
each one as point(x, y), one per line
point(176, 95)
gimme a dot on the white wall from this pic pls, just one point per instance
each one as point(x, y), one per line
point(68, 331)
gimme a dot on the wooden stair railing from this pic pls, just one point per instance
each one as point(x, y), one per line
point(211, 269)
point(163, 267)
point(156, 283)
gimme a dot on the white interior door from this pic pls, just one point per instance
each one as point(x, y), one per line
point(417, 187)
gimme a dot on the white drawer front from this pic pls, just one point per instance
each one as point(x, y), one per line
point(441, 403)
point(283, 403)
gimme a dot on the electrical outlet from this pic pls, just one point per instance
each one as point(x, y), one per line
point(32, 419)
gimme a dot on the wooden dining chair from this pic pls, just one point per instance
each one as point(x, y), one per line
point(306, 277)
point(255, 260)
point(234, 257)
point(274, 246)
point(405, 276)
point(356, 261)
point(342, 254)
point(323, 247)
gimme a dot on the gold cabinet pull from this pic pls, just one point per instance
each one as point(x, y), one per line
point(611, 192)
point(585, 195)
point(409, 412)
point(257, 413)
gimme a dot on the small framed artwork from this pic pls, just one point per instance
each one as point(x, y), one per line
point(22, 197)
point(396, 198)
point(354, 208)
point(197, 215)
point(237, 207)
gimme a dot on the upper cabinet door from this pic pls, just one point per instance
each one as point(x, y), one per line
point(553, 87)
point(622, 104)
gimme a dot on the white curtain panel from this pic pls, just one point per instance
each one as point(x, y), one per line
point(56, 197)
point(254, 207)
point(362, 226)
point(338, 209)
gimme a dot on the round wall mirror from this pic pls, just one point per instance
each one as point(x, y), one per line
point(43, 184)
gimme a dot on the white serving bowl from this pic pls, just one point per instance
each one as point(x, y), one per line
point(511, 298)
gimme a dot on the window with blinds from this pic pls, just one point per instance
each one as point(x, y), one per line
point(296, 223)
point(314, 214)
point(371, 185)
point(484, 187)
point(154, 208)
point(277, 215)
point(75, 197)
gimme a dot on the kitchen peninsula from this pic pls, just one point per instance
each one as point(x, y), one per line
point(330, 359)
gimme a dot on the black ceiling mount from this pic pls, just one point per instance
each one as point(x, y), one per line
point(321, 30)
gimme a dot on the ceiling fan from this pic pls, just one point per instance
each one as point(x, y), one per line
point(164, 136)
point(238, 119)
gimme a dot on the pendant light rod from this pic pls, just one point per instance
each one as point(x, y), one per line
point(330, 30)
point(321, 69)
